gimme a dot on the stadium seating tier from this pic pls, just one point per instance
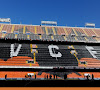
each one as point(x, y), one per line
point(49, 55)
point(49, 33)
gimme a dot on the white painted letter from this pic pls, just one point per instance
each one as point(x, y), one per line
point(51, 52)
point(91, 52)
point(12, 53)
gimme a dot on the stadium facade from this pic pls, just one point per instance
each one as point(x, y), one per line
point(49, 52)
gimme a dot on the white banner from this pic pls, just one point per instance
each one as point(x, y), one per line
point(5, 20)
point(48, 22)
point(90, 24)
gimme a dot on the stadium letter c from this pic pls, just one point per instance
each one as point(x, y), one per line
point(51, 51)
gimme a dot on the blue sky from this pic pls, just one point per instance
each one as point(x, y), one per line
point(70, 12)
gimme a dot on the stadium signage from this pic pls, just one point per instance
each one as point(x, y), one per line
point(90, 24)
point(52, 51)
point(49, 22)
point(51, 48)
point(5, 20)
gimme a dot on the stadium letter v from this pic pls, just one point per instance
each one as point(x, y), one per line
point(12, 53)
